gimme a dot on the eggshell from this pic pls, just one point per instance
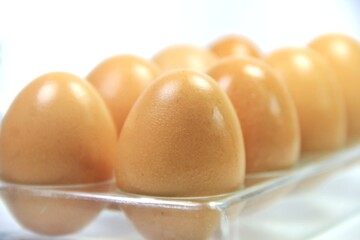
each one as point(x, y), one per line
point(181, 139)
point(54, 215)
point(265, 109)
point(235, 45)
point(120, 80)
point(184, 56)
point(343, 54)
point(316, 92)
point(57, 131)
point(161, 224)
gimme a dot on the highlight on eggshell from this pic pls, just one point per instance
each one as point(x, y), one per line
point(184, 56)
point(57, 132)
point(265, 110)
point(235, 45)
point(343, 54)
point(181, 139)
point(316, 92)
point(120, 80)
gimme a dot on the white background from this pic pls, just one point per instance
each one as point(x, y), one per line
point(39, 36)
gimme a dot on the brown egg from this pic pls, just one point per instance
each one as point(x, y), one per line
point(181, 139)
point(175, 137)
point(57, 131)
point(317, 96)
point(343, 54)
point(266, 112)
point(235, 45)
point(184, 56)
point(120, 80)
point(176, 224)
point(54, 215)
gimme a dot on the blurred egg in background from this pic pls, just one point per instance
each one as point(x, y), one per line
point(41, 36)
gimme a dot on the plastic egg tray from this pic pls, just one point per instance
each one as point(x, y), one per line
point(317, 194)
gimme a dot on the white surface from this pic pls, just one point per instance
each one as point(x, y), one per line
point(6, 220)
point(321, 212)
point(349, 230)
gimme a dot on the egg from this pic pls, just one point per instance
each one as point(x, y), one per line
point(52, 215)
point(181, 139)
point(159, 223)
point(57, 131)
point(120, 80)
point(343, 54)
point(265, 110)
point(316, 92)
point(184, 56)
point(235, 45)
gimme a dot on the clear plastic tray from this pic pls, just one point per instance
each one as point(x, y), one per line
point(320, 192)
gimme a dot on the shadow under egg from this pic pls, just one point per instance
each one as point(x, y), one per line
point(321, 177)
point(313, 182)
point(265, 199)
point(44, 213)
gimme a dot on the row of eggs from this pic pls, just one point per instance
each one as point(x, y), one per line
point(184, 134)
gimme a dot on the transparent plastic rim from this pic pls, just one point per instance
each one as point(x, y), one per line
point(309, 166)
